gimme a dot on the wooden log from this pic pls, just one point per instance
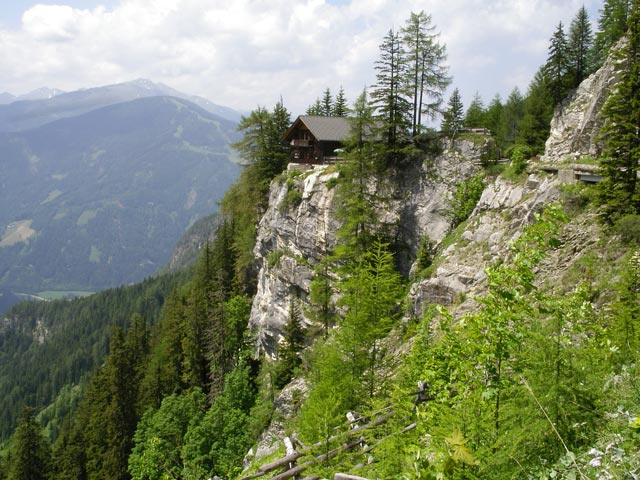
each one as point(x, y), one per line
point(255, 475)
point(320, 458)
point(346, 476)
point(282, 462)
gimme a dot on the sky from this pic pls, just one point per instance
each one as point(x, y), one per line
point(248, 53)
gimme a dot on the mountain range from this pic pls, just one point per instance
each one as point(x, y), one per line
point(97, 185)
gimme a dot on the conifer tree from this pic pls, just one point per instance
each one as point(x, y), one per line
point(538, 109)
point(356, 206)
point(511, 116)
point(315, 109)
point(31, 453)
point(579, 47)
point(475, 116)
point(556, 69)
point(425, 77)
point(392, 107)
point(612, 26)
point(369, 294)
point(340, 108)
point(494, 116)
point(290, 347)
point(620, 188)
point(327, 103)
point(452, 116)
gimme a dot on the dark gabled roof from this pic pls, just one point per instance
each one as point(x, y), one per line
point(328, 129)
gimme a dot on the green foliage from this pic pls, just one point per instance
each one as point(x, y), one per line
point(453, 116)
point(475, 115)
point(77, 342)
point(265, 155)
point(612, 26)
point(628, 227)
point(289, 350)
point(519, 156)
point(465, 198)
point(580, 47)
point(216, 444)
point(349, 367)
point(293, 197)
point(619, 190)
point(536, 120)
point(159, 437)
point(30, 457)
point(576, 197)
point(426, 252)
point(410, 80)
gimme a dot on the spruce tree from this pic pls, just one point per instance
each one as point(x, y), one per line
point(620, 189)
point(510, 119)
point(475, 116)
point(356, 200)
point(327, 103)
point(579, 47)
point(556, 69)
point(315, 109)
point(291, 346)
point(31, 453)
point(453, 115)
point(612, 26)
point(340, 108)
point(494, 116)
point(538, 109)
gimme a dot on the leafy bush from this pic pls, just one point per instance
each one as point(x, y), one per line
point(273, 258)
point(465, 198)
point(628, 227)
point(519, 155)
point(575, 197)
point(426, 252)
point(293, 197)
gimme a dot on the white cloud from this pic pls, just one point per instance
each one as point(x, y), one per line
point(243, 53)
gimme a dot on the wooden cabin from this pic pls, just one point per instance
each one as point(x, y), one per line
point(314, 139)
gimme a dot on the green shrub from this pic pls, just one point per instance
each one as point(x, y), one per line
point(273, 258)
point(628, 227)
point(465, 198)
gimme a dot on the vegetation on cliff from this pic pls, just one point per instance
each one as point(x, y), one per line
point(538, 380)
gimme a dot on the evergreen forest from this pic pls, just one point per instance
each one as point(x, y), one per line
point(163, 380)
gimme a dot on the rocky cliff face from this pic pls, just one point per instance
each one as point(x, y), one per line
point(577, 121)
point(299, 228)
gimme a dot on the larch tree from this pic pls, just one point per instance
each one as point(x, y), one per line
point(425, 77)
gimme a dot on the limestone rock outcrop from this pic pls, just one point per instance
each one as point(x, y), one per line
point(576, 124)
point(300, 226)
